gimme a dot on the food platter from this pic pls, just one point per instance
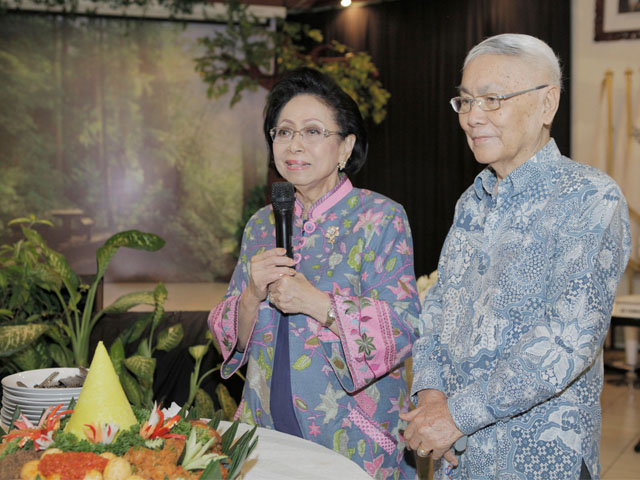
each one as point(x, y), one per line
point(101, 431)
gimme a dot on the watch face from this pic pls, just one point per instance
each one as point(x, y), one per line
point(331, 317)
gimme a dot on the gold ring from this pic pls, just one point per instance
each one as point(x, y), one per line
point(422, 453)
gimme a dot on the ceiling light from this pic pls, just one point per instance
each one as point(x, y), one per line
point(345, 3)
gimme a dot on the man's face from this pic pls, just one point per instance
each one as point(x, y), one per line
point(507, 137)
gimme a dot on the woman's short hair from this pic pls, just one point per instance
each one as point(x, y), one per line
point(525, 46)
point(347, 115)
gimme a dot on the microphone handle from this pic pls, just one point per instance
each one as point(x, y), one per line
point(283, 230)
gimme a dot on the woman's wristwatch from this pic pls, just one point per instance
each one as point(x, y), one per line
point(331, 317)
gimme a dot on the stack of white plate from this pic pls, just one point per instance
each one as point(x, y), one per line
point(33, 401)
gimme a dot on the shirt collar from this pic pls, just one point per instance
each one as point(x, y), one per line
point(520, 178)
point(327, 201)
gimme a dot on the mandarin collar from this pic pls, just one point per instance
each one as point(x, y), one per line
point(327, 201)
point(520, 178)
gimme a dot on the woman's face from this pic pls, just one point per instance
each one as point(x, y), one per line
point(311, 167)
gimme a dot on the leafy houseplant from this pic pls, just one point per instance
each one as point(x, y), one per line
point(24, 305)
point(70, 329)
point(142, 364)
point(199, 403)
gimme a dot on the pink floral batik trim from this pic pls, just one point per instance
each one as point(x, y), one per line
point(372, 430)
point(223, 323)
point(378, 326)
point(238, 414)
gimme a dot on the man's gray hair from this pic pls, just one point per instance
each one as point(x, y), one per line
point(519, 45)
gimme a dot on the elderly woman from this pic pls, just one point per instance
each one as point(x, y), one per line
point(325, 333)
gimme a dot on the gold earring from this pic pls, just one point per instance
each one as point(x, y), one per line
point(342, 164)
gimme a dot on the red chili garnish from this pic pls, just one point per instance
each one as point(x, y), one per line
point(71, 465)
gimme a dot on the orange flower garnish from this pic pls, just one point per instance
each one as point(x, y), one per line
point(42, 435)
point(105, 434)
point(156, 428)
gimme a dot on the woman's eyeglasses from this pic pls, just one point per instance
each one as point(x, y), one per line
point(308, 135)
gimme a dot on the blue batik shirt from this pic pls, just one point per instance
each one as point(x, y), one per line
point(513, 330)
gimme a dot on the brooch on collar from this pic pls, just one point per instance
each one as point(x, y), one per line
point(331, 234)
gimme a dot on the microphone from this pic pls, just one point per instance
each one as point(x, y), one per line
point(283, 199)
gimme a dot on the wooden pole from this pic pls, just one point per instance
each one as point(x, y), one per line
point(608, 79)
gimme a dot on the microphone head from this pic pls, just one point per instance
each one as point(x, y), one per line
point(282, 195)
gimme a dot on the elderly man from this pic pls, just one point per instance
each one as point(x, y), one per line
point(509, 363)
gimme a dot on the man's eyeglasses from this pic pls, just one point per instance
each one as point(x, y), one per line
point(488, 102)
point(308, 135)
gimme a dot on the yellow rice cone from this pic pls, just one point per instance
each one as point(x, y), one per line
point(102, 399)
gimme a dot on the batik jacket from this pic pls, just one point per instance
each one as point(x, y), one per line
point(349, 389)
point(512, 332)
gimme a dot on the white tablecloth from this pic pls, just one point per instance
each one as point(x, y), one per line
point(279, 456)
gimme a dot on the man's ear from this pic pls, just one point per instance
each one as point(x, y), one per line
point(550, 104)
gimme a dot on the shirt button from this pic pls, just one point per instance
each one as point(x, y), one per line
point(309, 227)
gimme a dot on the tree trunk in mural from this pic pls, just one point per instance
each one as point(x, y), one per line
point(103, 161)
point(58, 105)
point(64, 87)
point(249, 174)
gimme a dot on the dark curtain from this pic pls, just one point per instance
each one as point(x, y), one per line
point(419, 155)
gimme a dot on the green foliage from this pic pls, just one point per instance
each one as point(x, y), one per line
point(29, 308)
point(24, 283)
point(29, 267)
point(68, 442)
point(198, 353)
point(239, 450)
point(136, 371)
point(228, 405)
point(16, 337)
point(199, 403)
point(243, 53)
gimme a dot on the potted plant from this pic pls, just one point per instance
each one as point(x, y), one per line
point(59, 336)
point(136, 372)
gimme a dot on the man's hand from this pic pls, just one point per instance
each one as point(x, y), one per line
point(431, 426)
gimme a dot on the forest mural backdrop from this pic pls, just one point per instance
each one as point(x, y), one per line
point(107, 120)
